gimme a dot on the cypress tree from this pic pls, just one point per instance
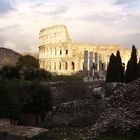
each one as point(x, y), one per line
point(111, 70)
point(131, 71)
point(138, 69)
point(120, 68)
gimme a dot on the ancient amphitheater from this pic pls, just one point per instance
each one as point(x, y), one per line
point(8, 57)
point(59, 55)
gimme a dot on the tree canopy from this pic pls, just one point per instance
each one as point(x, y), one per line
point(115, 70)
point(18, 96)
point(131, 71)
point(28, 61)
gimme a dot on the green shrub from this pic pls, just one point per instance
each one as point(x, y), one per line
point(36, 74)
point(17, 96)
point(9, 72)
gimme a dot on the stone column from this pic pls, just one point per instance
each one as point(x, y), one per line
point(100, 63)
point(91, 66)
point(96, 61)
point(85, 65)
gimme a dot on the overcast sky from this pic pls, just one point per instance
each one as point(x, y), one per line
point(89, 21)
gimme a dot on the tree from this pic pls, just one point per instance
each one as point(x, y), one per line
point(28, 61)
point(36, 98)
point(131, 71)
point(9, 103)
point(111, 70)
point(138, 69)
point(120, 68)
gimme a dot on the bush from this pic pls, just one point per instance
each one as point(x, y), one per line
point(35, 97)
point(17, 96)
point(10, 72)
point(36, 74)
point(10, 106)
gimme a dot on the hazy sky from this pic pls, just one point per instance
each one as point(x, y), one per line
point(89, 21)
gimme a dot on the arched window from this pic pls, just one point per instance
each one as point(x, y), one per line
point(66, 66)
point(72, 66)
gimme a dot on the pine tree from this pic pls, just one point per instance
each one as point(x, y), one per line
point(120, 68)
point(131, 71)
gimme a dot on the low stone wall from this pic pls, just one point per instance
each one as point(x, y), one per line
point(22, 133)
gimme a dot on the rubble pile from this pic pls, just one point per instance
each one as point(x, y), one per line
point(114, 111)
point(122, 113)
point(78, 113)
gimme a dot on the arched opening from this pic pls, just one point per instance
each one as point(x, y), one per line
point(72, 66)
point(55, 51)
point(66, 52)
point(66, 66)
point(54, 66)
point(60, 52)
point(59, 65)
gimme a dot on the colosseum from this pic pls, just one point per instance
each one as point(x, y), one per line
point(8, 57)
point(59, 55)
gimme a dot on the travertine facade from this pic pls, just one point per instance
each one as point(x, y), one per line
point(59, 55)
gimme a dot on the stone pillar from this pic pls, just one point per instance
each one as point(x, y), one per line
point(50, 66)
point(91, 66)
point(100, 63)
point(96, 61)
point(85, 65)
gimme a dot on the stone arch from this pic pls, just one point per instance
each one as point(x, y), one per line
point(73, 66)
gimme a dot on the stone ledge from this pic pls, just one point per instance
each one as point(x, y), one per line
point(22, 133)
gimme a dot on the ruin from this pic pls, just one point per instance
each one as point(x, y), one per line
point(59, 55)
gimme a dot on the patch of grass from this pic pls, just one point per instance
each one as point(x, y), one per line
point(66, 78)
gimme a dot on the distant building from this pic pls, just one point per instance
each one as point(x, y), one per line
point(8, 57)
point(59, 55)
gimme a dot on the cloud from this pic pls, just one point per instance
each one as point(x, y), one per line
point(5, 6)
point(125, 1)
point(87, 21)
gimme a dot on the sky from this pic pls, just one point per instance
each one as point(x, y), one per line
point(88, 21)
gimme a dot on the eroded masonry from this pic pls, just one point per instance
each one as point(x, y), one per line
point(59, 55)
